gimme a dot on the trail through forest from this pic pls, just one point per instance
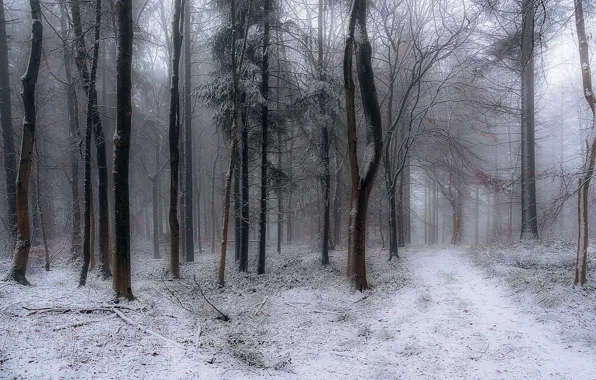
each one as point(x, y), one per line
point(432, 314)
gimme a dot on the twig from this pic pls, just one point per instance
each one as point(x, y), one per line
point(198, 334)
point(64, 310)
point(146, 330)
point(363, 298)
point(261, 306)
point(224, 317)
point(80, 324)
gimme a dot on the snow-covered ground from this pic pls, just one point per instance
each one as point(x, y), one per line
point(432, 314)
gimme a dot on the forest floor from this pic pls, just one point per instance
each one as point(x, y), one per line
point(496, 312)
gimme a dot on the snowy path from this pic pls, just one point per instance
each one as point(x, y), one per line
point(451, 323)
point(301, 321)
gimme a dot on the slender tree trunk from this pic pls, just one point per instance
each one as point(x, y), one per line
point(264, 140)
point(93, 124)
point(213, 218)
point(529, 228)
point(325, 177)
point(74, 135)
point(188, 216)
point(122, 271)
point(28, 82)
point(583, 191)
point(243, 265)
point(89, 85)
point(362, 183)
point(226, 211)
point(7, 131)
point(174, 138)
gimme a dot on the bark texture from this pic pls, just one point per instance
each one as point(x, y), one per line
point(28, 82)
point(174, 138)
point(581, 275)
point(529, 225)
point(362, 182)
point(121, 268)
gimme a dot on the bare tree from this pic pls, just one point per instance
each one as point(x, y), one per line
point(28, 82)
point(362, 180)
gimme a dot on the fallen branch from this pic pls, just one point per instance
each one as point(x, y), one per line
point(147, 330)
point(261, 306)
point(224, 317)
point(363, 298)
point(64, 310)
point(80, 324)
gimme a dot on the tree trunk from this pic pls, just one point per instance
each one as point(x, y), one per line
point(174, 138)
point(121, 268)
point(28, 82)
point(325, 177)
point(362, 183)
point(264, 140)
point(233, 153)
point(188, 214)
point(93, 124)
point(94, 119)
point(7, 131)
point(529, 227)
point(226, 211)
point(74, 135)
point(583, 191)
point(213, 218)
point(243, 265)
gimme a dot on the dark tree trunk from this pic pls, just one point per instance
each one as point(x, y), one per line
point(122, 272)
point(7, 131)
point(74, 135)
point(362, 183)
point(325, 177)
point(529, 223)
point(94, 119)
point(188, 214)
point(174, 138)
point(28, 82)
point(264, 140)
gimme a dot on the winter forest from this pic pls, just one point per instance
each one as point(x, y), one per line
point(297, 189)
